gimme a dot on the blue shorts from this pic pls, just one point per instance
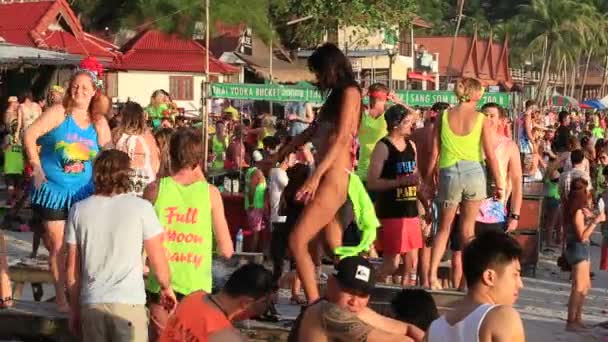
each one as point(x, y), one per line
point(576, 252)
point(463, 181)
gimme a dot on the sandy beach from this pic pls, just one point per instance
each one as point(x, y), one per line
point(542, 303)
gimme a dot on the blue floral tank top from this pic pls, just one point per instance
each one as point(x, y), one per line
point(66, 157)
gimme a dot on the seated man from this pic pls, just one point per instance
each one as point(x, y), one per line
point(208, 317)
point(344, 316)
point(492, 271)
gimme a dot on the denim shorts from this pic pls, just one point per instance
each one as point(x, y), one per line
point(463, 181)
point(576, 252)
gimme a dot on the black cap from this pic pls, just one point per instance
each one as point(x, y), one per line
point(356, 273)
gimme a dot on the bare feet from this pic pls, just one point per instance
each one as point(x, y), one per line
point(63, 307)
point(297, 300)
point(435, 285)
point(6, 302)
point(576, 327)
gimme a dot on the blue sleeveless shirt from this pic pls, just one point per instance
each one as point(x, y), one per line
point(66, 157)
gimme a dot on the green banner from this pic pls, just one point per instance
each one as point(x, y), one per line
point(425, 98)
point(265, 92)
point(282, 93)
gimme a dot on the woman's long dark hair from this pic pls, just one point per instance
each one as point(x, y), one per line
point(334, 74)
point(332, 68)
point(577, 198)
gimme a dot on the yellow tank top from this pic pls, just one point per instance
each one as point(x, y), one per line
point(371, 130)
point(455, 148)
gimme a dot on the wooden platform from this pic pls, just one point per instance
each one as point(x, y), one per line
point(32, 271)
point(29, 321)
point(257, 331)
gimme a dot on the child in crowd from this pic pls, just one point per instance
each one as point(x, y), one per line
point(551, 203)
point(255, 193)
point(415, 306)
point(13, 168)
point(291, 209)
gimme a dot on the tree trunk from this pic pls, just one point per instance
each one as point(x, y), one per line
point(558, 73)
point(573, 79)
point(544, 78)
point(544, 64)
point(565, 75)
point(582, 92)
point(604, 78)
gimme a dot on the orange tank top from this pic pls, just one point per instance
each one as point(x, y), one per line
point(194, 320)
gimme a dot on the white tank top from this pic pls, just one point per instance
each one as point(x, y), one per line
point(142, 174)
point(467, 330)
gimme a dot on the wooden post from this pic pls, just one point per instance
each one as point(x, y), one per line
point(204, 92)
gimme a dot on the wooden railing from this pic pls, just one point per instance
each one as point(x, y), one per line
point(532, 76)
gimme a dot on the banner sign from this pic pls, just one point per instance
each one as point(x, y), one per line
point(423, 98)
point(265, 92)
point(282, 93)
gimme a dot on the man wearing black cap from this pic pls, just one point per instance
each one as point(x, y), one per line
point(343, 315)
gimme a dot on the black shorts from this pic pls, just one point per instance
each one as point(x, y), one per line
point(49, 214)
point(456, 244)
point(15, 180)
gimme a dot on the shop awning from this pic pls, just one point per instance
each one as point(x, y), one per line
point(16, 55)
point(419, 76)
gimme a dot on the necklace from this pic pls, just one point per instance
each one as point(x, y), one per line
point(214, 301)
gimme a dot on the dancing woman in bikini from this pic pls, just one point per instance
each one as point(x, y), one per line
point(333, 135)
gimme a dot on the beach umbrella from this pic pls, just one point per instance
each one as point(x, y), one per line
point(564, 101)
point(604, 101)
point(595, 104)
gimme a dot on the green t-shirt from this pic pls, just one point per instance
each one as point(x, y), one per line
point(598, 132)
point(259, 192)
point(371, 130)
point(551, 189)
point(185, 213)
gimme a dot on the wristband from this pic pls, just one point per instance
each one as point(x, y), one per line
point(514, 216)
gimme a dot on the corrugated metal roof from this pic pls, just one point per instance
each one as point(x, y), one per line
point(155, 51)
point(22, 16)
point(27, 23)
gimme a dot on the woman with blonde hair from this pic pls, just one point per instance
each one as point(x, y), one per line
point(158, 104)
point(133, 137)
point(69, 136)
point(461, 138)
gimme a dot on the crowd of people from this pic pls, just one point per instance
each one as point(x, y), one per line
point(124, 206)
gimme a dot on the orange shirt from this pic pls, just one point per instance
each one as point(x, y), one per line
point(194, 320)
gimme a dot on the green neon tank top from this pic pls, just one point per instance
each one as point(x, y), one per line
point(218, 147)
point(371, 130)
point(260, 190)
point(455, 148)
point(185, 212)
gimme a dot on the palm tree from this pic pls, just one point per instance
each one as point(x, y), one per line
point(553, 25)
point(600, 45)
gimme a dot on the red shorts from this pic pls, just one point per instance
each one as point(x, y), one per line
point(255, 219)
point(401, 235)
